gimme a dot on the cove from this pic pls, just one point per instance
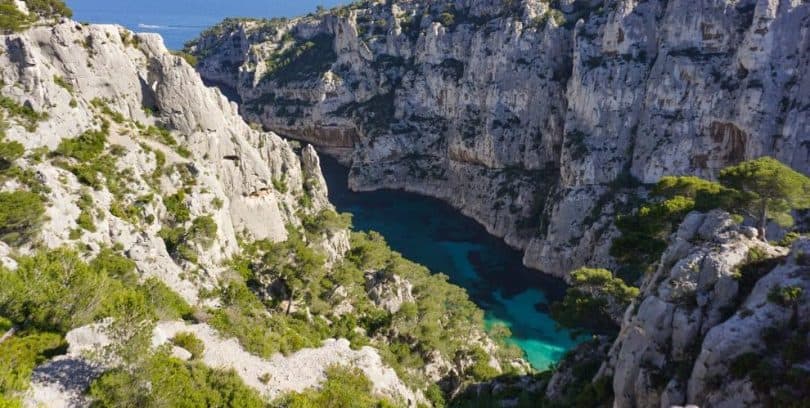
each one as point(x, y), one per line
point(430, 232)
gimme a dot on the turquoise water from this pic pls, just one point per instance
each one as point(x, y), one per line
point(432, 233)
point(181, 20)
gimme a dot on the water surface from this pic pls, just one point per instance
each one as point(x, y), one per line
point(430, 232)
point(179, 21)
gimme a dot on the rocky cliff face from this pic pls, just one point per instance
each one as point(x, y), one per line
point(713, 326)
point(131, 154)
point(527, 118)
point(79, 76)
point(174, 145)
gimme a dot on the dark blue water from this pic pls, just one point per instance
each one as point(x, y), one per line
point(432, 233)
point(181, 20)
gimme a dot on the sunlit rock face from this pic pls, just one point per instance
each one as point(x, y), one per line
point(80, 76)
point(533, 121)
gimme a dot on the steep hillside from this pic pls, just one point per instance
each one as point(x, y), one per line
point(723, 322)
point(534, 117)
point(157, 250)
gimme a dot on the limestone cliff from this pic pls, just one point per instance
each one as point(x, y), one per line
point(79, 76)
point(529, 119)
point(723, 322)
point(171, 146)
point(127, 154)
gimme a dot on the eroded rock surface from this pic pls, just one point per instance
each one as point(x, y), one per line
point(527, 119)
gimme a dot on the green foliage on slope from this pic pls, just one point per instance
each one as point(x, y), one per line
point(164, 381)
point(20, 354)
point(344, 388)
point(54, 290)
point(301, 61)
point(21, 213)
point(762, 189)
point(593, 301)
point(12, 19)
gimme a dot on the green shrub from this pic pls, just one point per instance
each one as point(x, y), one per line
point(11, 18)
point(325, 221)
point(644, 233)
point(190, 342)
point(111, 263)
point(84, 148)
point(176, 245)
point(243, 316)
point(447, 19)
point(86, 219)
point(785, 296)
point(435, 395)
point(116, 116)
point(21, 353)
point(789, 239)
point(176, 206)
point(189, 58)
point(593, 301)
point(9, 152)
point(203, 231)
point(344, 387)
point(481, 370)
point(63, 83)
point(49, 8)
point(167, 303)
point(164, 381)
point(280, 185)
point(21, 213)
point(54, 290)
point(25, 115)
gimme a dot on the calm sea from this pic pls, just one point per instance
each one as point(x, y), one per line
point(181, 20)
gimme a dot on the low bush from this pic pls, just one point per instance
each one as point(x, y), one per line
point(344, 387)
point(85, 147)
point(163, 381)
point(595, 301)
point(9, 152)
point(190, 342)
point(24, 114)
point(20, 354)
point(21, 214)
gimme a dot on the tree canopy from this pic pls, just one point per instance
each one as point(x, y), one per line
point(769, 190)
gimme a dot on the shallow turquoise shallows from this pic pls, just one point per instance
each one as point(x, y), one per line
point(433, 234)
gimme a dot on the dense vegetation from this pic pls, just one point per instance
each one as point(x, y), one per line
point(160, 380)
point(54, 291)
point(291, 279)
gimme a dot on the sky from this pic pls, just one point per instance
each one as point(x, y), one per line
point(181, 20)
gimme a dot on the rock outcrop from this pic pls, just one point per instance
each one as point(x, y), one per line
point(713, 304)
point(526, 118)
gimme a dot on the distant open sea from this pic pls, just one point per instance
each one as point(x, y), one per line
point(181, 20)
